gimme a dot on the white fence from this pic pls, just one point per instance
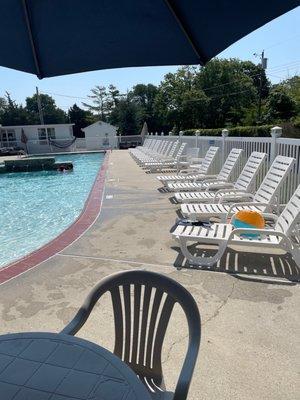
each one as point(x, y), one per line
point(273, 146)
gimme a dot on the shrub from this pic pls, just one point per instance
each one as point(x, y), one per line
point(237, 131)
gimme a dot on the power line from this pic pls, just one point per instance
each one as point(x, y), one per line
point(283, 41)
point(278, 68)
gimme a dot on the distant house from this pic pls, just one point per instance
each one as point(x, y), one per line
point(39, 138)
point(100, 135)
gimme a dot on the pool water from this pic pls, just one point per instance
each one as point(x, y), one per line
point(35, 207)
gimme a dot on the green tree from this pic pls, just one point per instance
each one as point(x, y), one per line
point(179, 102)
point(12, 113)
point(230, 91)
point(258, 77)
point(280, 105)
point(124, 116)
point(81, 118)
point(144, 96)
point(100, 102)
point(51, 113)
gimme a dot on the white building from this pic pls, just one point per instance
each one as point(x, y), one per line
point(100, 135)
point(40, 138)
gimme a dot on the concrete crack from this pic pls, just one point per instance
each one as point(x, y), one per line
point(218, 310)
point(171, 348)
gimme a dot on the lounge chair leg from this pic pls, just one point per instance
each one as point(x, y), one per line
point(202, 261)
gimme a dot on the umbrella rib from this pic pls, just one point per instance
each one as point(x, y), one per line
point(31, 39)
point(185, 30)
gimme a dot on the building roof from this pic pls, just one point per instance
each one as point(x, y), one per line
point(37, 126)
point(99, 123)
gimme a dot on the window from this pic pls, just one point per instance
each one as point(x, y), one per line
point(51, 133)
point(42, 136)
point(106, 140)
point(45, 134)
point(8, 137)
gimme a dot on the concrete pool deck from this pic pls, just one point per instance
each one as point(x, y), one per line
point(250, 327)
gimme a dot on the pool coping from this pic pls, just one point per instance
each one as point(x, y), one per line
point(86, 218)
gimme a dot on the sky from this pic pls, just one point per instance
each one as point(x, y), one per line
point(279, 38)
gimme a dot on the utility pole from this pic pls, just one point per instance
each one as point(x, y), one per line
point(263, 64)
point(39, 106)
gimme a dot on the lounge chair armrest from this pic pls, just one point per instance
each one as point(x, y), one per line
point(226, 190)
point(239, 195)
point(219, 185)
point(207, 178)
point(197, 160)
point(190, 171)
point(266, 232)
point(272, 216)
point(249, 203)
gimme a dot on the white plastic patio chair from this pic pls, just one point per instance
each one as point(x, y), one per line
point(203, 181)
point(170, 162)
point(201, 169)
point(264, 200)
point(169, 154)
point(284, 235)
point(212, 191)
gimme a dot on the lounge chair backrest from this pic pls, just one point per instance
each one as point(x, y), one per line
point(209, 159)
point(180, 151)
point(163, 147)
point(246, 179)
point(173, 149)
point(167, 148)
point(230, 164)
point(273, 180)
point(290, 216)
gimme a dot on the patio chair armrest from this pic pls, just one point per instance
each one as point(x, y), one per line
point(219, 185)
point(239, 195)
point(189, 171)
point(208, 178)
point(272, 216)
point(249, 203)
point(197, 160)
point(226, 190)
point(266, 232)
point(84, 311)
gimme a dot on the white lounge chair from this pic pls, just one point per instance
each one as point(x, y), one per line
point(212, 191)
point(169, 162)
point(201, 169)
point(160, 149)
point(166, 151)
point(264, 200)
point(284, 235)
point(203, 181)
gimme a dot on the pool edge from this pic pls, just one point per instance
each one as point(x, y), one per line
point(87, 217)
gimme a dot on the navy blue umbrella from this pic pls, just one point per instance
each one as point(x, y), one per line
point(57, 37)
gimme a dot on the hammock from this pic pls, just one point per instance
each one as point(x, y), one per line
point(62, 145)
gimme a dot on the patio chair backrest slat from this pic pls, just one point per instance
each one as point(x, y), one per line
point(290, 216)
point(246, 179)
point(209, 159)
point(273, 180)
point(230, 164)
point(180, 151)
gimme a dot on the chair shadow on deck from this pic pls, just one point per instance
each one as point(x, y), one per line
point(264, 267)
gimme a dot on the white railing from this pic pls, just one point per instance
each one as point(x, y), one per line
point(273, 146)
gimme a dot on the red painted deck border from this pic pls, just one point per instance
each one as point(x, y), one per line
point(87, 217)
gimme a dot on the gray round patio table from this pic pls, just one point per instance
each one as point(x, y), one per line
point(50, 366)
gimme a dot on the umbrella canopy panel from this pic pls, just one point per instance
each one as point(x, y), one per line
point(57, 37)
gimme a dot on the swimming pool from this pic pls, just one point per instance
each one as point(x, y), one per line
point(35, 207)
